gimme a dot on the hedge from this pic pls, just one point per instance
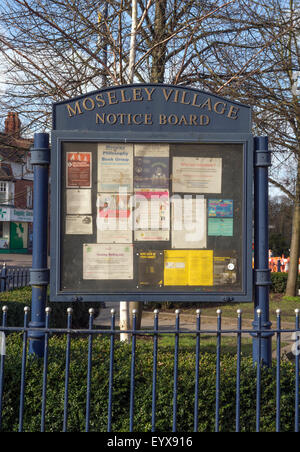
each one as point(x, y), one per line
point(143, 389)
point(16, 301)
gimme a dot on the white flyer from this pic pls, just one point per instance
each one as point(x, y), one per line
point(79, 201)
point(152, 215)
point(114, 218)
point(115, 167)
point(197, 175)
point(152, 150)
point(189, 224)
point(79, 224)
point(107, 262)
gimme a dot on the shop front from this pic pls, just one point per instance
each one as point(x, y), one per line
point(15, 230)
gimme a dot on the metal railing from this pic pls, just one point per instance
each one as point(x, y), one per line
point(14, 278)
point(197, 333)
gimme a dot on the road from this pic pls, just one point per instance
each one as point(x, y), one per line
point(16, 260)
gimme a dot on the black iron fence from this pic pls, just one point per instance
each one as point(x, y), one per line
point(133, 384)
point(14, 278)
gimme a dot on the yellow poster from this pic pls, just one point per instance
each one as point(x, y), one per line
point(188, 268)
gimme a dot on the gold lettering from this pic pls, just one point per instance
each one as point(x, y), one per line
point(129, 119)
point(233, 112)
point(176, 96)
point(92, 104)
point(101, 101)
point(100, 118)
point(137, 94)
point(223, 108)
point(162, 119)
point(148, 119)
point(149, 93)
point(167, 94)
point(123, 96)
point(183, 99)
point(183, 121)
point(74, 111)
point(121, 116)
point(173, 120)
point(136, 121)
point(193, 120)
point(194, 104)
point(207, 104)
point(112, 97)
point(112, 118)
point(204, 120)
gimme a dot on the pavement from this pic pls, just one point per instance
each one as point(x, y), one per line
point(167, 320)
point(16, 260)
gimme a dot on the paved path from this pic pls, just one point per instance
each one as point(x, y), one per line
point(188, 323)
point(16, 260)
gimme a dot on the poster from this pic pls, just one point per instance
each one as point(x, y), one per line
point(197, 175)
point(79, 169)
point(107, 262)
point(18, 235)
point(220, 227)
point(150, 268)
point(3, 243)
point(114, 218)
point(151, 166)
point(189, 228)
point(220, 208)
point(115, 167)
point(152, 215)
point(188, 267)
point(225, 271)
point(79, 201)
point(79, 224)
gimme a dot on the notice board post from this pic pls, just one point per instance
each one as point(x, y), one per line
point(39, 273)
point(262, 344)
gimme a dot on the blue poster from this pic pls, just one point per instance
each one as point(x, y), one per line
point(220, 208)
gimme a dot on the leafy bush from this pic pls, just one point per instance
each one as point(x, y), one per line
point(16, 301)
point(143, 389)
point(279, 281)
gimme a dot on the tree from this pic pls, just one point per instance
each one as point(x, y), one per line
point(280, 224)
point(54, 50)
point(258, 68)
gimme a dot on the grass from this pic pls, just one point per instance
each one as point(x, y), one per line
point(287, 306)
point(207, 344)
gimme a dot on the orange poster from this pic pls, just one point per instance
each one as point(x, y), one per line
point(79, 169)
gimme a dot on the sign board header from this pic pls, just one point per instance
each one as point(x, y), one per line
point(162, 108)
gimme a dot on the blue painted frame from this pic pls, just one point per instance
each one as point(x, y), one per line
point(243, 137)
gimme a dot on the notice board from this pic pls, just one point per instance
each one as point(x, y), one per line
point(150, 205)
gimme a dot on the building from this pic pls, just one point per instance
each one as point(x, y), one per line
point(16, 189)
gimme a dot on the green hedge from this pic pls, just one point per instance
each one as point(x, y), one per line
point(279, 281)
point(143, 389)
point(16, 301)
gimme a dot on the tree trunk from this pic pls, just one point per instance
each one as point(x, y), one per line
point(133, 41)
point(291, 287)
point(159, 52)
